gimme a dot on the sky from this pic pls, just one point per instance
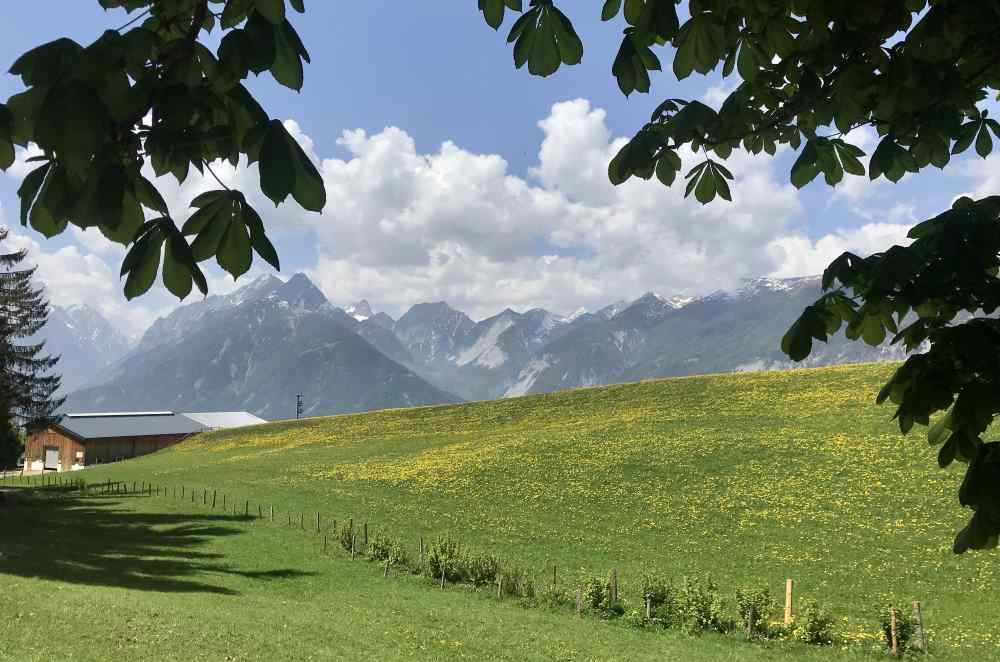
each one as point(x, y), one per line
point(452, 176)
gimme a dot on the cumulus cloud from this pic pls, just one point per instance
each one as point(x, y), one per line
point(798, 254)
point(402, 226)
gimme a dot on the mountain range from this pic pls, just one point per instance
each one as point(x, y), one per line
point(85, 341)
point(258, 347)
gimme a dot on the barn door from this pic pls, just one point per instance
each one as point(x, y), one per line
point(51, 458)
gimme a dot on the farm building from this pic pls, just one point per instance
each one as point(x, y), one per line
point(79, 440)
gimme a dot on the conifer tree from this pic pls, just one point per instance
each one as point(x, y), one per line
point(27, 383)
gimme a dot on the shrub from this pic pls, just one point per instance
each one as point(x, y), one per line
point(754, 607)
point(445, 557)
point(516, 581)
point(904, 628)
point(383, 548)
point(636, 618)
point(700, 607)
point(813, 624)
point(595, 594)
point(346, 534)
point(551, 597)
point(483, 569)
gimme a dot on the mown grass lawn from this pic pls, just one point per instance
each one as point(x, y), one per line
point(140, 578)
point(753, 477)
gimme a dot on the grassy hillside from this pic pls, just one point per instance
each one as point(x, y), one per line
point(753, 477)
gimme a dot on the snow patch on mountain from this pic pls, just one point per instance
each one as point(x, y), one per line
point(360, 310)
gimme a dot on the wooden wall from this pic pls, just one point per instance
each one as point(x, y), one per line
point(96, 451)
point(117, 448)
point(68, 447)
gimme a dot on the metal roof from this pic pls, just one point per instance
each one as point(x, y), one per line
point(217, 420)
point(109, 425)
point(138, 425)
point(111, 414)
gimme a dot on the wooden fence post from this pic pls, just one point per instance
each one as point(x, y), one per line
point(324, 544)
point(420, 558)
point(894, 643)
point(354, 540)
point(442, 576)
point(500, 587)
point(272, 513)
point(553, 576)
point(246, 508)
point(649, 607)
point(789, 588)
point(317, 522)
point(920, 639)
point(224, 501)
point(260, 511)
point(579, 600)
point(214, 495)
point(366, 535)
point(386, 572)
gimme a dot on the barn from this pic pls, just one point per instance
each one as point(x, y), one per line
point(79, 440)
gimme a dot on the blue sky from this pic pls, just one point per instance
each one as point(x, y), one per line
point(509, 213)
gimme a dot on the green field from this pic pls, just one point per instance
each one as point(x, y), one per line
point(753, 477)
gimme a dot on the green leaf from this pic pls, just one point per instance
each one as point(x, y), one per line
point(258, 238)
point(272, 10)
point(145, 263)
point(287, 67)
point(493, 11)
point(73, 123)
point(805, 168)
point(234, 250)
point(947, 453)
point(277, 163)
point(570, 45)
point(633, 11)
point(937, 432)
point(984, 143)
point(545, 58)
point(28, 191)
point(667, 167)
point(176, 271)
point(705, 191)
point(610, 9)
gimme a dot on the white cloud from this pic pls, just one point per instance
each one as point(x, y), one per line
point(797, 254)
point(402, 227)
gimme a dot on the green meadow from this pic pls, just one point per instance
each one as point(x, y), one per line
point(753, 478)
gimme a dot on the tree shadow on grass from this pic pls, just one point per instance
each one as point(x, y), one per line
point(94, 540)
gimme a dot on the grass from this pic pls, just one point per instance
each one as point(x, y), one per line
point(753, 477)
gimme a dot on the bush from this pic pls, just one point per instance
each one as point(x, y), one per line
point(516, 581)
point(904, 628)
point(700, 607)
point(813, 624)
point(595, 594)
point(754, 607)
point(483, 569)
point(346, 534)
point(551, 597)
point(383, 548)
point(636, 618)
point(445, 557)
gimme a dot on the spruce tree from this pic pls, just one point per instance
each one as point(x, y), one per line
point(27, 384)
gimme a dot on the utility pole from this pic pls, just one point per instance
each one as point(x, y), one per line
point(299, 409)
